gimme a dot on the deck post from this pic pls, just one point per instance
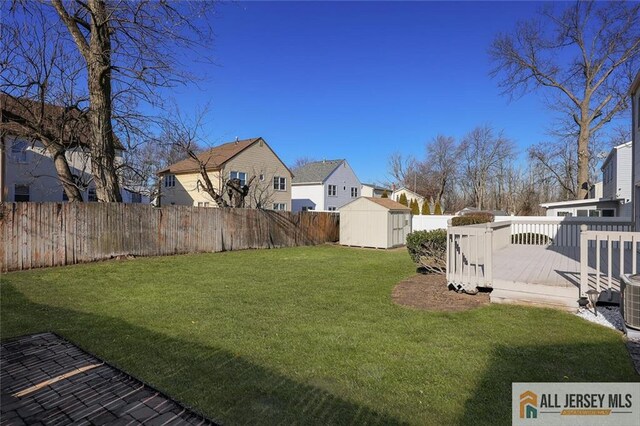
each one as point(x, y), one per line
point(448, 270)
point(584, 260)
point(488, 256)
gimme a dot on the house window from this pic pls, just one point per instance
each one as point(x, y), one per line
point(19, 151)
point(354, 192)
point(564, 214)
point(21, 193)
point(608, 212)
point(136, 198)
point(307, 208)
point(261, 177)
point(280, 183)
point(169, 181)
point(92, 195)
point(280, 206)
point(594, 213)
point(582, 213)
point(239, 175)
point(332, 190)
point(203, 204)
point(331, 209)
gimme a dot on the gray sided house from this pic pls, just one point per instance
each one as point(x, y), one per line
point(615, 199)
point(324, 185)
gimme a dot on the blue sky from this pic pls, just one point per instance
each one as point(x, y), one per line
point(359, 80)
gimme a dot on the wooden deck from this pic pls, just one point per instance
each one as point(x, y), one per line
point(550, 275)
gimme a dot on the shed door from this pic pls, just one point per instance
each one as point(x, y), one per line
point(398, 233)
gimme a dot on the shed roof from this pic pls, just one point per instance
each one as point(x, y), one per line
point(315, 172)
point(388, 203)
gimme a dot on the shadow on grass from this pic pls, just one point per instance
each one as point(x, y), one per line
point(220, 384)
point(589, 362)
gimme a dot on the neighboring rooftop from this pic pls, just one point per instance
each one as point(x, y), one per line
point(18, 116)
point(213, 158)
point(378, 187)
point(316, 172)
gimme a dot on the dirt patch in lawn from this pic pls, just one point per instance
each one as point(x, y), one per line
point(430, 292)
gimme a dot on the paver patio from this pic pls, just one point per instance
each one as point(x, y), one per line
point(47, 380)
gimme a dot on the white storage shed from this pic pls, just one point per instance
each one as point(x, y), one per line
point(374, 222)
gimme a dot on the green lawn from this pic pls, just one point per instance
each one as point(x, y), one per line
point(306, 335)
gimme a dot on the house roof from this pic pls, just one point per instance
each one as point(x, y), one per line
point(315, 172)
point(378, 187)
point(586, 201)
point(53, 121)
point(214, 158)
point(388, 203)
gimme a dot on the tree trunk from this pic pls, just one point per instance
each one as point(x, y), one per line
point(583, 162)
point(99, 80)
point(66, 177)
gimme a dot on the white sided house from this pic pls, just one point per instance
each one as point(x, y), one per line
point(615, 197)
point(374, 222)
point(411, 195)
point(324, 185)
point(373, 190)
point(27, 169)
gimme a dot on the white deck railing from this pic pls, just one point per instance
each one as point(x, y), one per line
point(470, 253)
point(561, 231)
point(470, 248)
point(612, 255)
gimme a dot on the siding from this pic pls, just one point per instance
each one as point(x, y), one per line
point(344, 178)
point(39, 171)
point(255, 160)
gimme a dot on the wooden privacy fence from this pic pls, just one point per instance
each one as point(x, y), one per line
point(37, 235)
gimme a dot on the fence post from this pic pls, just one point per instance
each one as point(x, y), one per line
point(448, 270)
point(488, 256)
point(584, 260)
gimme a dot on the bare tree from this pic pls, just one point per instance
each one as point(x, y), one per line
point(443, 162)
point(483, 151)
point(41, 100)
point(601, 44)
point(129, 50)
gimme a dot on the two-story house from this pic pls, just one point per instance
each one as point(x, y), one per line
point(27, 168)
point(614, 197)
point(180, 183)
point(324, 185)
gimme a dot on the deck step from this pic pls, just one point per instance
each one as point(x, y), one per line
point(565, 298)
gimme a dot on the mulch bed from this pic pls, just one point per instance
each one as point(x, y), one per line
point(430, 292)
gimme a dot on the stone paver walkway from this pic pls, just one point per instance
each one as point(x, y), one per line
point(47, 380)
